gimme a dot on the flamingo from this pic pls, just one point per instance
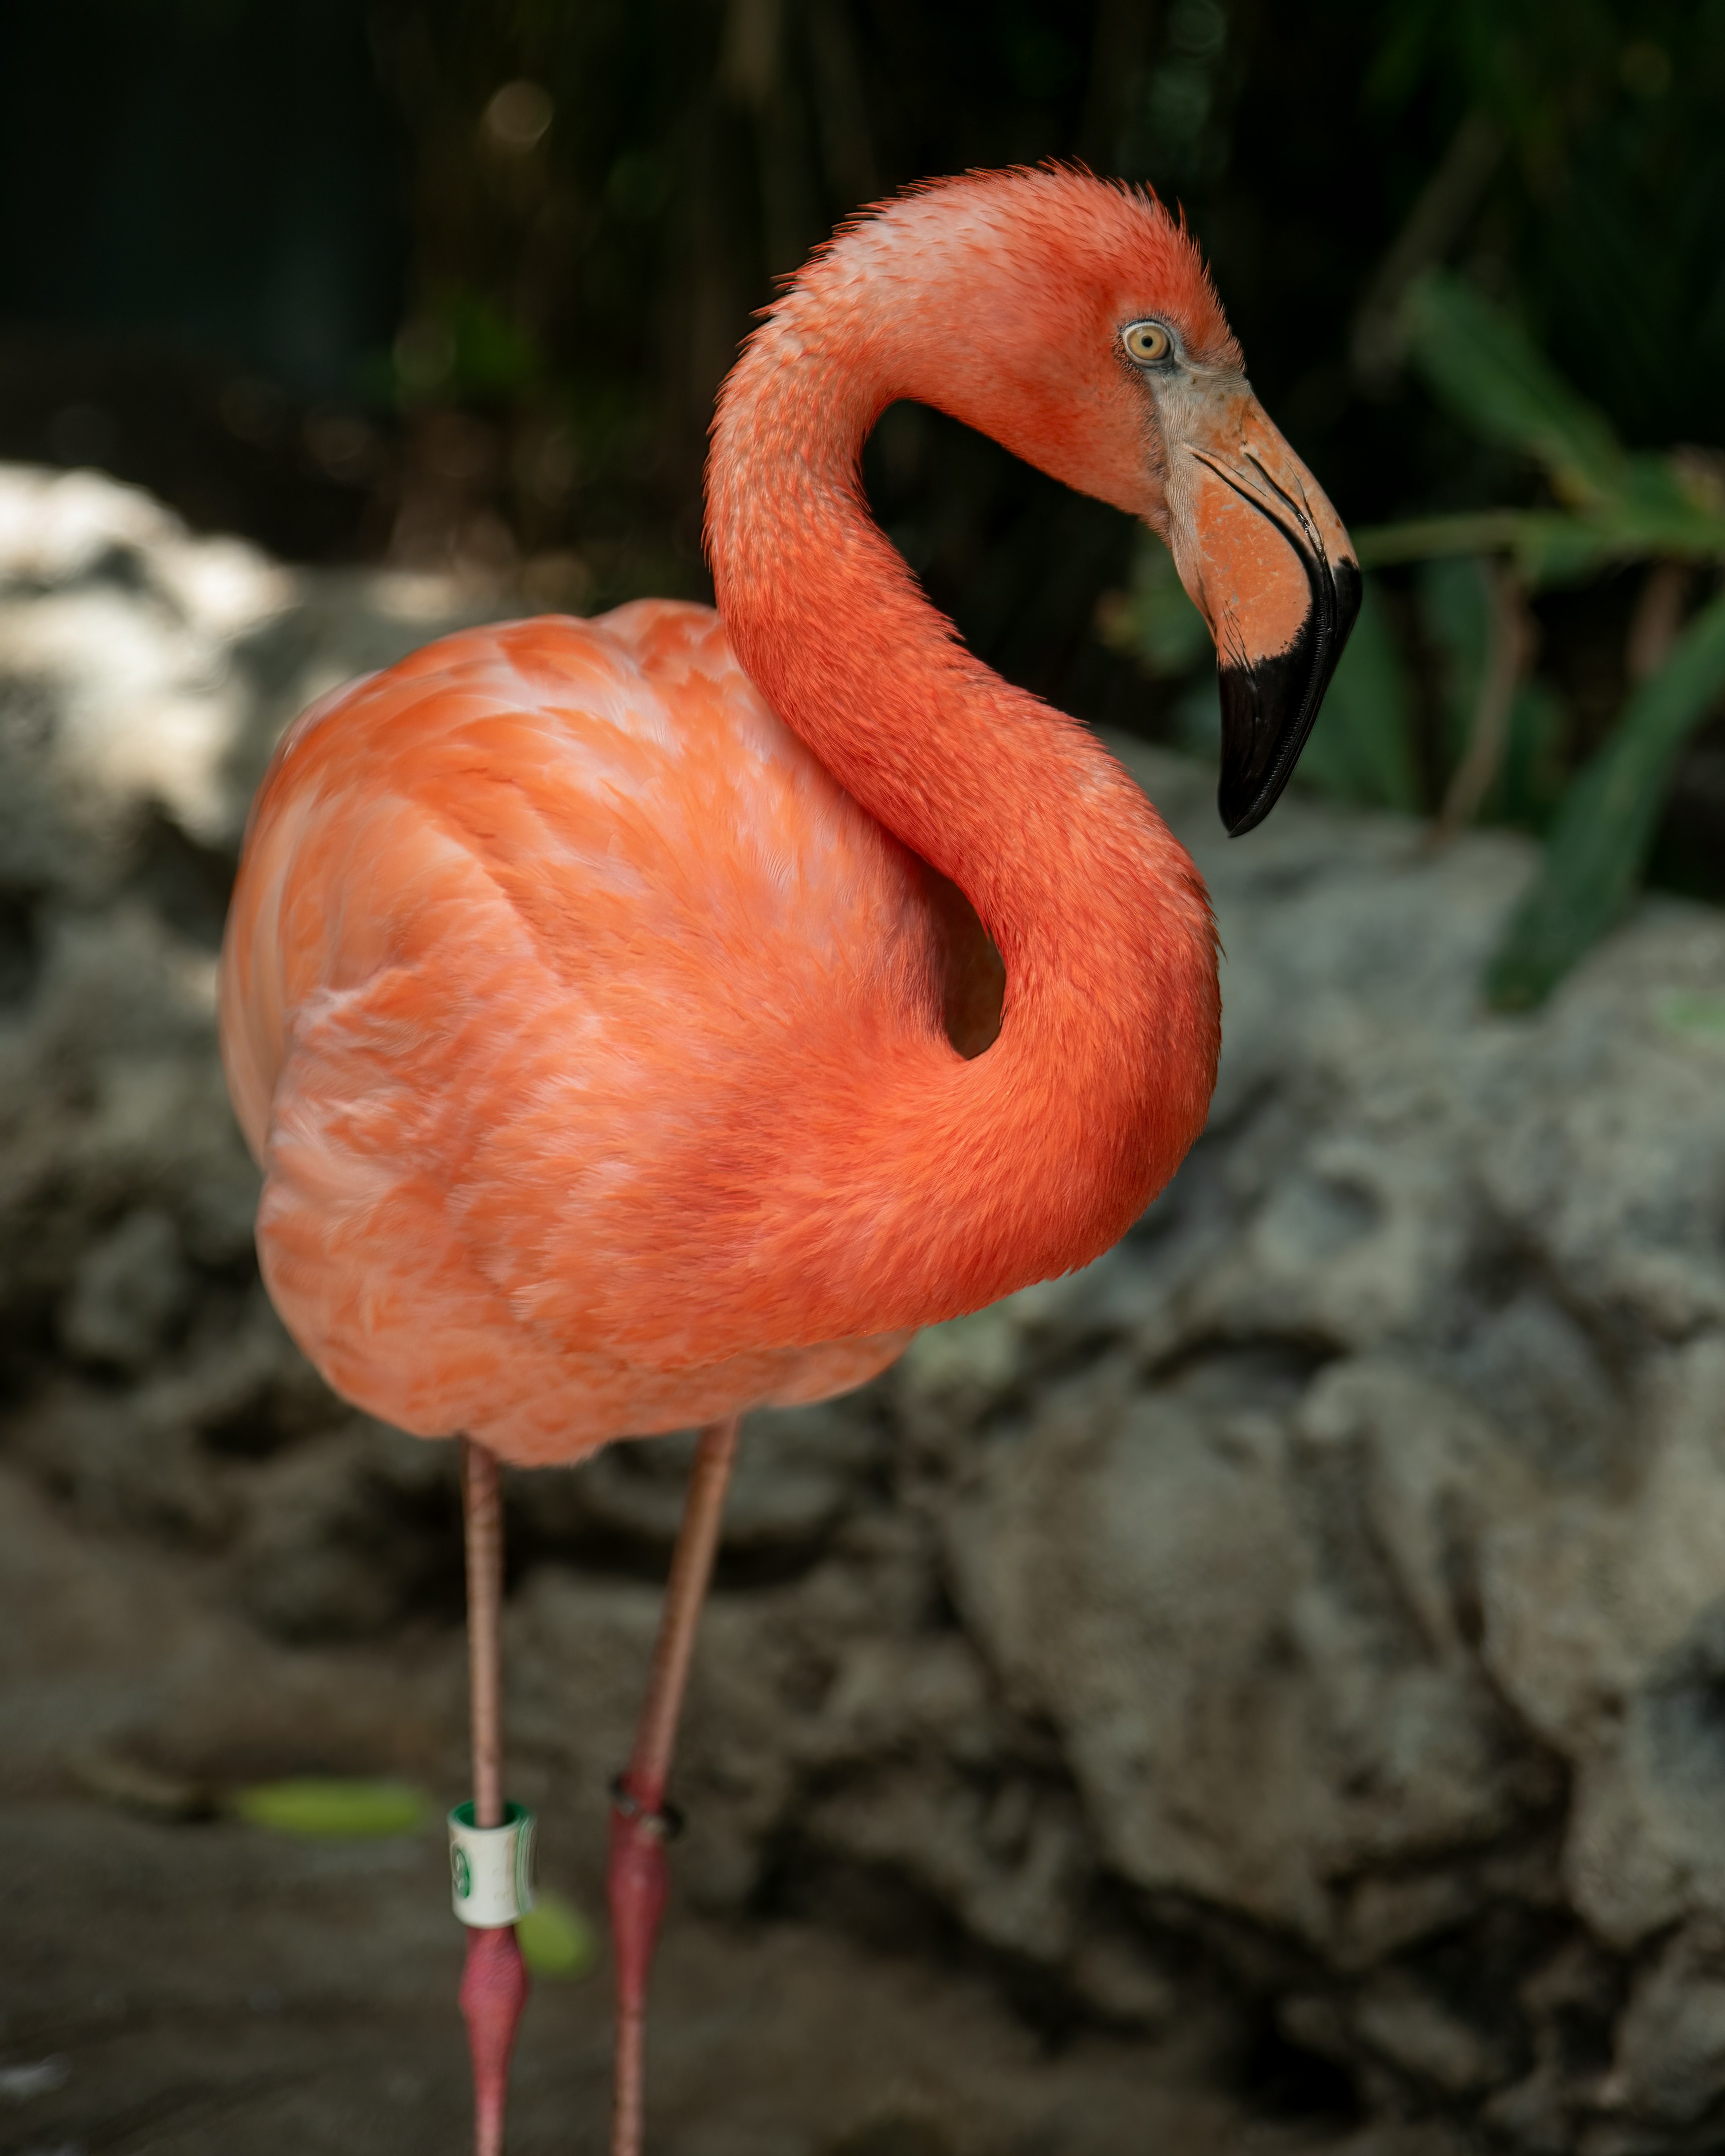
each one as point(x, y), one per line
point(643, 1019)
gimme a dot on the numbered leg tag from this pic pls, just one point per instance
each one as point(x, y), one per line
point(491, 1867)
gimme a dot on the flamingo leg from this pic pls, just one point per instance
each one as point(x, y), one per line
point(494, 1982)
point(639, 1879)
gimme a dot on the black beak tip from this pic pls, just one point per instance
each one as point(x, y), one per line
point(1269, 708)
point(1246, 819)
point(1253, 772)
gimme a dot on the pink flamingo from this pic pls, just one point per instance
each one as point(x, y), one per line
point(614, 1005)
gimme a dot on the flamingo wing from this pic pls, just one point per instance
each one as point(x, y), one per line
point(521, 922)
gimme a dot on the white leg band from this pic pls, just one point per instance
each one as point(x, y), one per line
point(491, 1867)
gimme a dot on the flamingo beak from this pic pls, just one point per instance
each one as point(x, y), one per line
point(1269, 565)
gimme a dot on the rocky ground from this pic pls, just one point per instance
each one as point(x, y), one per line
point(1266, 1693)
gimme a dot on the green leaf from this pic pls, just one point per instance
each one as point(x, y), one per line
point(1360, 749)
point(1551, 549)
point(556, 1940)
point(1456, 605)
point(1533, 779)
point(1431, 538)
point(1693, 1016)
point(1606, 821)
point(322, 1807)
point(1496, 380)
point(1489, 372)
point(1548, 546)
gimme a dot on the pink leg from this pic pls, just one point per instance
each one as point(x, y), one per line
point(639, 1877)
point(494, 1983)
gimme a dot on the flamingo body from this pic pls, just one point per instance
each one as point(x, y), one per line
point(643, 1020)
point(601, 915)
point(594, 992)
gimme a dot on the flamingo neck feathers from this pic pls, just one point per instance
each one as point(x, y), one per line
point(946, 1184)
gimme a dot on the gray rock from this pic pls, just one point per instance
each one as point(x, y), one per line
point(1240, 1623)
point(129, 1291)
point(1670, 2051)
point(348, 1533)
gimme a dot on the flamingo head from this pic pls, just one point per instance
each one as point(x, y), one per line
point(1075, 322)
point(1258, 547)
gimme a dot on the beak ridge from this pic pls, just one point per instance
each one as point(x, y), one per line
point(1281, 601)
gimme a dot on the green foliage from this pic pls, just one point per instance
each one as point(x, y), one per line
point(1623, 505)
point(1600, 841)
point(1501, 387)
point(327, 1808)
point(1454, 605)
point(1531, 781)
point(1617, 505)
point(1361, 748)
point(1605, 210)
point(1614, 506)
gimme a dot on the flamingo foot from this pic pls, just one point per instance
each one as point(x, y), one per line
point(493, 1991)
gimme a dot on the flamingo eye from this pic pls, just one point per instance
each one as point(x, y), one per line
point(1146, 342)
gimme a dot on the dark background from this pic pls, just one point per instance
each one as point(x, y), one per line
point(453, 285)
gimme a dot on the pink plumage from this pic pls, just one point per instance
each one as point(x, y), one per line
point(595, 904)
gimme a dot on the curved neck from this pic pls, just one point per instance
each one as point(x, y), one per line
point(1040, 1153)
point(831, 626)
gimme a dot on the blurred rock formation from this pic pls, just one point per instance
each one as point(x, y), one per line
point(1310, 1620)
